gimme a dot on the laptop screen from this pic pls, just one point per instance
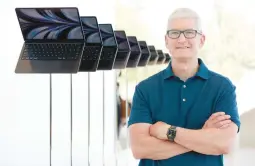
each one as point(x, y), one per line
point(143, 47)
point(107, 35)
point(161, 55)
point(168, 58)
point(152, 49)
point(57, 24)
point(160, 52)
point(133, 43)
point(91, 30)
point(122, 40)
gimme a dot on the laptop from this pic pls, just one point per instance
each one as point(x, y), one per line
point(110, 47)
point(154, 55)
point(161, 57)
point(124, 50)
point(53, 40)
point(135, 53)
point(145, 57)
point(168, 58)
point(93, 44)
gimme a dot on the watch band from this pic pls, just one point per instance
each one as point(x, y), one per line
point(171, 133)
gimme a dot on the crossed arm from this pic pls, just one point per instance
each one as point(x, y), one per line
point(150, 142)
point(211, 141)
point(145, 146)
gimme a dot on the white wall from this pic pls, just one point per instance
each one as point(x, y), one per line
point(25, 101)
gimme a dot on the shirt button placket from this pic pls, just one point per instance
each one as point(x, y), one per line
point(184, 86)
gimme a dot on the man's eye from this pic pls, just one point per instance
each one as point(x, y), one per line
point(175, 33)
point(189, 32)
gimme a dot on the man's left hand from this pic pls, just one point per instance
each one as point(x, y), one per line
point(159, 130)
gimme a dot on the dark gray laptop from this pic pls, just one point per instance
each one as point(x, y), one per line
point(161, 57)
point(53, 40)
point(168, 58)
point(145, 57)
point(110, 47)
point(93, 44)
point(123, 50)
point(154, 55)
point(136, 52)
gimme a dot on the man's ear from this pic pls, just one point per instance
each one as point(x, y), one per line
point(166, 42)
point(202, 40)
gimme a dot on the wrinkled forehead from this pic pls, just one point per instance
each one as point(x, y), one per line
point(183, 23)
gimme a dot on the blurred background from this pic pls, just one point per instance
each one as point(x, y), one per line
point(229, 49)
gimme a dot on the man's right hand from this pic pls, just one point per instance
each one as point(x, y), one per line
point(217, 120)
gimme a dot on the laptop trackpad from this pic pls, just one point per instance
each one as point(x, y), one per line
point(40, 66)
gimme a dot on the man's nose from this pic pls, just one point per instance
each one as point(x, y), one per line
point(181, 38)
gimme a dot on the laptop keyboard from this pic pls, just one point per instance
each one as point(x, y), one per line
point(108, 54)
point(91, 53)
point(52, 51)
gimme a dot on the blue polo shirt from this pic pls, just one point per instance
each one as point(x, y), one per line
point(164, 97)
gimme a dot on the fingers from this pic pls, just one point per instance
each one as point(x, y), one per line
point(218, 120)
point(224, 126)
point(223, 123)
point(221, 118)
point(215, 115)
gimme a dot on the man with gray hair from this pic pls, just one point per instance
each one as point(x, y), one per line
point(185, 115)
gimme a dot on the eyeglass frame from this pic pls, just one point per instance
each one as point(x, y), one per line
point(182, 32)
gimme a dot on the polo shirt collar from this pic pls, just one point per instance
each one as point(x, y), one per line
point(202, 72)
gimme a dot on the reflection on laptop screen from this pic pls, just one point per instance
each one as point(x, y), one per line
point(160, 52)
point(50, 23)
point(133, 43)
point(107, 35)
point(122, 40)
point(143, 47)
point(91, 30)
point(168, 58)
point(152, 49)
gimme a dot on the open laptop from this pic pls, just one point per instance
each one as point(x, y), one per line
point(53, 40)
point(145, 57)
point(93, 44)
point(136, 52)
point(124, 50)
point(154, 55)
point(161, 57)
point(110, 47)
point(168, 58)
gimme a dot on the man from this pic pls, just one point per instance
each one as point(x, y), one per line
point(185, 115)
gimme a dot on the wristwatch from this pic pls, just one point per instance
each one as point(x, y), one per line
point(171, 133)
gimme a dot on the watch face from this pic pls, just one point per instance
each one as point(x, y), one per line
point(171, 133)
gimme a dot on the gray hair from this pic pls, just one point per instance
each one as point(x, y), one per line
point(185, 13)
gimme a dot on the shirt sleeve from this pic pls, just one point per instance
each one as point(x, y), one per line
point(140, 112)
point(227, 103)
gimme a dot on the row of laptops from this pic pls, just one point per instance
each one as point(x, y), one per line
point(59, 40)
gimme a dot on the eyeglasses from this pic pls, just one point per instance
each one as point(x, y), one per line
point(189, 33)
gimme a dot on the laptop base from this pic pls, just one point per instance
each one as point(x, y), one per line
point(46, 67)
